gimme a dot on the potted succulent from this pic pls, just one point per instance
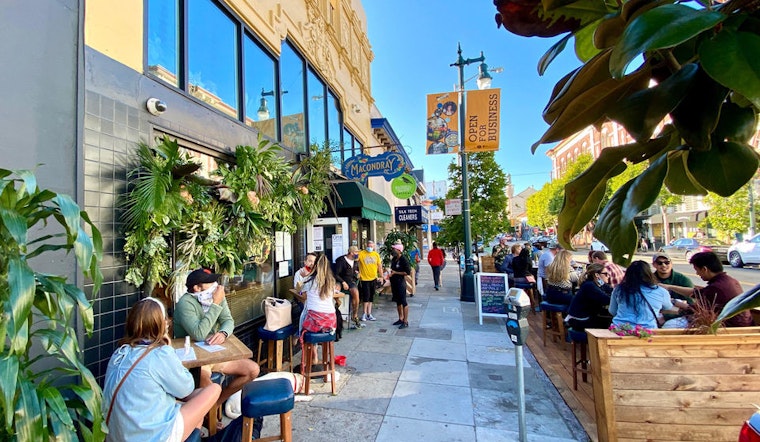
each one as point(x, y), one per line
point(46, 391)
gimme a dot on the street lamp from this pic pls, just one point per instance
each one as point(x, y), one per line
point(263, 111)
point(484, 81)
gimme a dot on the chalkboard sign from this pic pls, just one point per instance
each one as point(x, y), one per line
point(491, 290)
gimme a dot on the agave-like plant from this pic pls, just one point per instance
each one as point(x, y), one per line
point(46, 392)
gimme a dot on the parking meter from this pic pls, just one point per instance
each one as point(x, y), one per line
point(518, 306)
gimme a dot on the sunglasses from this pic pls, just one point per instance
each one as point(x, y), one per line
point(604, 273)
point(659, 263)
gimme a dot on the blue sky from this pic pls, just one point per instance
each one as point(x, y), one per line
point(415, 41)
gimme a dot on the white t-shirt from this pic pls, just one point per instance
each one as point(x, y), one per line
point(314, 302)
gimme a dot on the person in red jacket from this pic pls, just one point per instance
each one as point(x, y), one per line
point(436, 259)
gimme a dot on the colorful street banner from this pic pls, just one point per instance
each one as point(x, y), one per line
point(481, 131)
point(442, 123)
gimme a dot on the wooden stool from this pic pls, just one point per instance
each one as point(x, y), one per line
point(554, 324)
point(579, 366)
point(274, 346)
point(266, 398)
point(310, 340)
point(214, 415)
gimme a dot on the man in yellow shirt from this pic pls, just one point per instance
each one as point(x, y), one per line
point(370, 270)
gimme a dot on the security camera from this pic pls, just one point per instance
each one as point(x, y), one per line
point(156, 106)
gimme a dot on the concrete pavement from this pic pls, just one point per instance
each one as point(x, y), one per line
point(445, 378)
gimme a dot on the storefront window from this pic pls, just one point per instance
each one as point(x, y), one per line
point(316, 93)
point(292, 98)
point(333, 129)
point(212, 56)
point(163, 40)
point(261, 103)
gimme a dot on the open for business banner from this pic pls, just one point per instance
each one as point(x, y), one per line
point(481, 131)
point(442, 123)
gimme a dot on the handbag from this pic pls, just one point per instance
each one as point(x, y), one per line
point(277, 312)
point(530, 278)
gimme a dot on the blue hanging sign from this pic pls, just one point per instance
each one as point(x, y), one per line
point(388, 165)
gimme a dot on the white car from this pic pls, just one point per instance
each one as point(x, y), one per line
point(745, 252)
point(598, 245)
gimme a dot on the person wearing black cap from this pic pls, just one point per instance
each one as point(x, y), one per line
point(203, 314)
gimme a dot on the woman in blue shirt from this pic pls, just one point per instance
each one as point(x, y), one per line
point(145, 407)
point(638, 300)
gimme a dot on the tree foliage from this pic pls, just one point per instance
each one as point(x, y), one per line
point(699, 67)
point(487, 183)
point(728, 215)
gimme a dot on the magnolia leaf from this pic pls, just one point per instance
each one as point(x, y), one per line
point(661, 27)
point(642, 111)
point(736, 123)
point(679, 181)
point(552, 53)
point(616, 227)
point(591, 105)
point(725, 168)
point(697, 114)
point(733, 60)
point(587, 76)
point(584, 42)
point(746, 301)
point(584, 10)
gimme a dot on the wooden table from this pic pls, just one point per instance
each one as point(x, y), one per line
point(233, 350)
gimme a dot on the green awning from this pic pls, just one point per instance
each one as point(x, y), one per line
point(356, 199)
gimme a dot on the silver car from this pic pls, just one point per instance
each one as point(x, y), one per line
point(745, 252)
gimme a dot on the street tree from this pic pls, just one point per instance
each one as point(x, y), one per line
point(487, 183)
point(728, 215)
point(693, 62)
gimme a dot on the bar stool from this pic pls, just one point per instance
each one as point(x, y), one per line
point(529, 289)
point(579, 338)
point(554, 324)
point(275, 341)
point(310, 340)
point(266, 398)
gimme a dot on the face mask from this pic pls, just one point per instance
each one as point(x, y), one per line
point(308, 269)
point(356, 256)
point(599, 281)
point(209, 291)
point(370, 249)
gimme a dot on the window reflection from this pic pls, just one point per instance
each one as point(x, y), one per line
point(291, 80)
point(261, 103)
point(212, 56)
point(316, 92)
point(333, 129)
point(163, 41)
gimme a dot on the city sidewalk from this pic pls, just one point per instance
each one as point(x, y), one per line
point(445, 378)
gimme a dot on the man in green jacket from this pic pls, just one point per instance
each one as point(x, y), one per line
point(663, 271)
point(203, 314)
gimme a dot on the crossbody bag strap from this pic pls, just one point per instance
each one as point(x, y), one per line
point(113, 397)
point(656, 321)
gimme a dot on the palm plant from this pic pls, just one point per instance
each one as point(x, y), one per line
point(47, 392)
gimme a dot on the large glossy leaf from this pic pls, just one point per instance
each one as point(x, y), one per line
point(21, 285)
point(641, 112)
point(28, 413)
point(725, 168)
point(679, 181)
point(70, 212)
point(552, 53)
point(591, 105)
point(697, 114)
point(582, 79)
point(16, 225)
point(30, 181)
point(584, 42)
point(8, 379)
point(733, 60)
point(83, 248)
point(746, 301)
point(57, 406)
point(616, 227)
point(661, 27)
point(736, 123)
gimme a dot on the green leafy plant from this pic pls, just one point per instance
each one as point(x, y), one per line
point(699, 71)
point(46, 392)
point(408, 240)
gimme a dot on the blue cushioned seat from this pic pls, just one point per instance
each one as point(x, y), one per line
point(277, 335)
point(265, 398)
point(523, 285)
point(318, 338)
point(562, 308)
point(577, 335)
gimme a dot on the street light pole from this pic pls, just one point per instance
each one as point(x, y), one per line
point(467, 292)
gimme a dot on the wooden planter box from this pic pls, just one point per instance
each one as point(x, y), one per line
point(487, 264)
point(674, 386)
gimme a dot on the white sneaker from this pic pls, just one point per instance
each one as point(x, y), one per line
point(371, 318)
point(364, 317)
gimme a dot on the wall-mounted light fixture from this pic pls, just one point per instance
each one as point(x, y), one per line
point(155, 106)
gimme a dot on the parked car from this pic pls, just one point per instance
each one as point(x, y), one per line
point(685, 247)
point(750, 431)
point(598, 245)
point(745, 252)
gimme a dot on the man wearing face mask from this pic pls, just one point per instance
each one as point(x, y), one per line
point(346, 271)
point(370, 270)
point(203, 314)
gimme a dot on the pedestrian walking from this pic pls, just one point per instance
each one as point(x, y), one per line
point(436, 259)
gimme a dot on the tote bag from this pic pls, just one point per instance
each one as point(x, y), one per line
point(277, 312)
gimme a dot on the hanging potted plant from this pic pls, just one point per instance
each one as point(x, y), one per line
point(46, 393)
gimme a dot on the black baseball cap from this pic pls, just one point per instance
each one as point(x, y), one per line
point(201, 276)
